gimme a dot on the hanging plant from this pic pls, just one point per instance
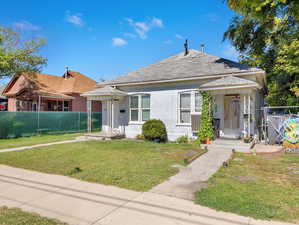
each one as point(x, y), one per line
point(206, 131)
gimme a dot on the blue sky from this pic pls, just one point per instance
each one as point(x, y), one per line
point(103, 39)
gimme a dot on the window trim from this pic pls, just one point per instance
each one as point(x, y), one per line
point(139, 109)
point(192, 106)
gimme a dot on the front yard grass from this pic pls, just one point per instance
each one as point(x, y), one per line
point(262, 186)
point(135, 165)
point(34, 140)
point(12, 216)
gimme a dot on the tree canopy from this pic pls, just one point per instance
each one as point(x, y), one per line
point(17, 56)
point(267, 35)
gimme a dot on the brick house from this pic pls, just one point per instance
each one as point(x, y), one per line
point(44, 92)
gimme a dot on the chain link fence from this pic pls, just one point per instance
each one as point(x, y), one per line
point(280, 124)
point(19, 124)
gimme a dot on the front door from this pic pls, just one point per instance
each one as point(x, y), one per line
point(232, 116)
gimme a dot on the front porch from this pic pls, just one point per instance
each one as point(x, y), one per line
point(235, 106)
point(109, 97)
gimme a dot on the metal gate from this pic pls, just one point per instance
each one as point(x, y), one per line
point(279, 124)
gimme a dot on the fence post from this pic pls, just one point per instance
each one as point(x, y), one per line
point(39, 102)
point(79, 128)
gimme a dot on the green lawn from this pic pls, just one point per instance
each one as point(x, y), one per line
point(134, 165)
point(34, 140)
point(13, 216)
point(263, 186)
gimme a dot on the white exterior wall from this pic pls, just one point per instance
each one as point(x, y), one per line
point(164, 106)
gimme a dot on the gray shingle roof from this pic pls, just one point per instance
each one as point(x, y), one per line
point(195, 64)
point(229, 81)
point(106, 90)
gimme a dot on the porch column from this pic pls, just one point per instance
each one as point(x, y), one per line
point(88, 116)
point(249, 115)
point(244, 112)
point(112, 115)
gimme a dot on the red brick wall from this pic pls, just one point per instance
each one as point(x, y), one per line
point(79, 104)
point(96, 106)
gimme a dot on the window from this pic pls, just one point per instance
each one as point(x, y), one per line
point(134, 107)
point(139, 108)
point(185, 107)
point(145, 107)
point(66, 106)
point(189, 103)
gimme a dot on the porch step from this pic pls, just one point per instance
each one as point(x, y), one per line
point(238, 145)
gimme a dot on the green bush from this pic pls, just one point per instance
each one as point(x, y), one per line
point(206, 130)
point(182, 139)
point(154, 130)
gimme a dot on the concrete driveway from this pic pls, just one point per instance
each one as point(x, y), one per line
point(81, 203)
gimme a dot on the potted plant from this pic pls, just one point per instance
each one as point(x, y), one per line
point(206, 131)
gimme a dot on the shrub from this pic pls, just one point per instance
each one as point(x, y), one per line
point(182, 139)
point(154, 130)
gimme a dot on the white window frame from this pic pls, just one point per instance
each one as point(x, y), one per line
point(192, 106)
point(139, 109)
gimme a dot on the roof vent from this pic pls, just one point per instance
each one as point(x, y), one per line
point(202, 48)
point(186, 47)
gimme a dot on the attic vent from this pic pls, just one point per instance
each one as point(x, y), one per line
point(186, 47)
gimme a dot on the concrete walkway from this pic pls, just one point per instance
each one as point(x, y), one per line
point(193, 177)
point(82, 203)
point(190, 179)
point(39, 145)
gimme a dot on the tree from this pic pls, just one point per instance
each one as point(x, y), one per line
point(266, 33)
point(206, 130)
point(17, 56)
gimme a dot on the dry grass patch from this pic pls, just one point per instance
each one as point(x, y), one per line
point(262, 186)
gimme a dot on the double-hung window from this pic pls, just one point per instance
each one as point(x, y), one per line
point(140, 108)
point(185, 107)
point(189, 103)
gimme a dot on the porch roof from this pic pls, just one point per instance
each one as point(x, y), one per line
point(229, 82)
point(104, 91)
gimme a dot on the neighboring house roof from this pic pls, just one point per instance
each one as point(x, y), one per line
point(106, 90)
point(53, 86)
point(1, 92)
point(194, 65)
point(229, 81)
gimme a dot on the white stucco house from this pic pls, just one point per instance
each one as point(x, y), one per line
point(169, 90)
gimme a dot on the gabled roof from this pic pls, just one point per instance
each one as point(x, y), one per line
point(194, 65)
point(70, 82)
point(229, 81)
point(105, 91)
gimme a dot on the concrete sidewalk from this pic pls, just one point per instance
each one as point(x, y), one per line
point(82, 203)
